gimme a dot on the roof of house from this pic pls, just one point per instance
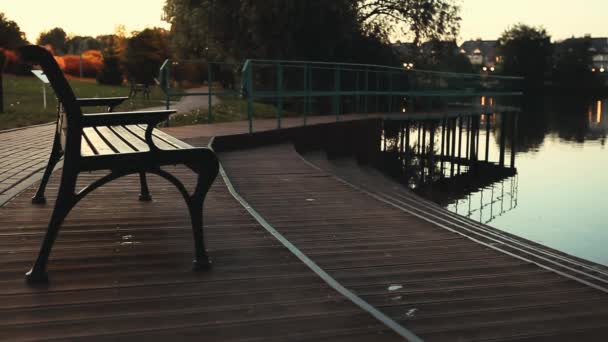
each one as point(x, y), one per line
point(599, 44)
point(486, 47)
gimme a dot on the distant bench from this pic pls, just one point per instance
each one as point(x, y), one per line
point(139, 87)
point(122, 143)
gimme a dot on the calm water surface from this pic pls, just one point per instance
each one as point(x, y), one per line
point(559, 196)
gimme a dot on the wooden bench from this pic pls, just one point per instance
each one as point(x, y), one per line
point(122, 143)
point(139, 87)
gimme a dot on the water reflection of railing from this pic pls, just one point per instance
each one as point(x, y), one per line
point(454, 158)
point(480, 208)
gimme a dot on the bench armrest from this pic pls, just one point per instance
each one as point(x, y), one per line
point(104, 101)
point(152, 118)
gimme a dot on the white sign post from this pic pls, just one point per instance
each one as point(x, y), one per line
point(42, 77)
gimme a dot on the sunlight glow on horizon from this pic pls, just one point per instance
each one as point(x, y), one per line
point(481, 18)
point(561, 18)
point(84, 17)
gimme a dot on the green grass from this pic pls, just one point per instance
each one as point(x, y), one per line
point(23, 105)
point(230, 109)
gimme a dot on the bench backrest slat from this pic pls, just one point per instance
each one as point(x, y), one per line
point(70, 116)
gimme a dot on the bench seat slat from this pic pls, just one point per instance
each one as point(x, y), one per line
point(169, 139)
point(133, 139)
point(97, 142)
point(85, 147)
point(158, 142)
point(115, 140)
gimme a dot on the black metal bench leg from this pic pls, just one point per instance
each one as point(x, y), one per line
point(144, 195)
point(65, 202)
point(56, 154)
point(206, 177)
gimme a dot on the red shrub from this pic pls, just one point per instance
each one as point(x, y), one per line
point(13, 64)
point(92, 62)
point(60, 62)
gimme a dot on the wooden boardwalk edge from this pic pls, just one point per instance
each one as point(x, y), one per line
point(592, 275)
point(278, 183)
point(333, 283)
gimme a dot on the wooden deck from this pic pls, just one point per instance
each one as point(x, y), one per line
point(434, 273)
point(121, 270)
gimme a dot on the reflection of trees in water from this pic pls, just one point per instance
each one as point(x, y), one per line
point(568, 117)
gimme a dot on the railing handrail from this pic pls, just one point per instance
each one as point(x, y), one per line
point(412, 83)
point(446, 73)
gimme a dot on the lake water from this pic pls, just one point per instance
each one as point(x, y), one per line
point(557, 194)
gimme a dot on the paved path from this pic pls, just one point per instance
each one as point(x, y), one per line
point(189, 103)
point(23, 152)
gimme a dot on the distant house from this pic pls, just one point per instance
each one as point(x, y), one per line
point(404, 49)
point(481, 52)
point(429, 50)
point(599, 50)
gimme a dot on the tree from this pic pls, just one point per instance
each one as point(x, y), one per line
point(11, 36)
point(442, 56)
point(145, 53)
point(57, 38)
point(337, 30)
point(526, 51)
point(260, 29)
point(77, 44)
point(572, 66)
point(111, 73)
point(419, 19)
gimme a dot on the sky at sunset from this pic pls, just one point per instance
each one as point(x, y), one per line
point(485, 19)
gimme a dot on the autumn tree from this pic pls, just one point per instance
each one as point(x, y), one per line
point(77, 44)
point(56, 37)
point(11, 36)
point(111, 72)
point(145, 53)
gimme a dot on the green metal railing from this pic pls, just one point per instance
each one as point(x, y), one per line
point(324, 88)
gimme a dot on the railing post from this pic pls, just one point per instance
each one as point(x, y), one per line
point(503, 138)
point(2, 60)
point(307, 87)
point(249, 80)
point(366, 109)
point(279, 94)
point(377, 91)
point(337, 97)
point(513, 138)
point(167, 88)
point(488, 136)
point(209, 91)
point(357, 97)
point(390, 91)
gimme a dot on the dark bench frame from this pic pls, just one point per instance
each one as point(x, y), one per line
point(135, 88)
point(67, 144)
